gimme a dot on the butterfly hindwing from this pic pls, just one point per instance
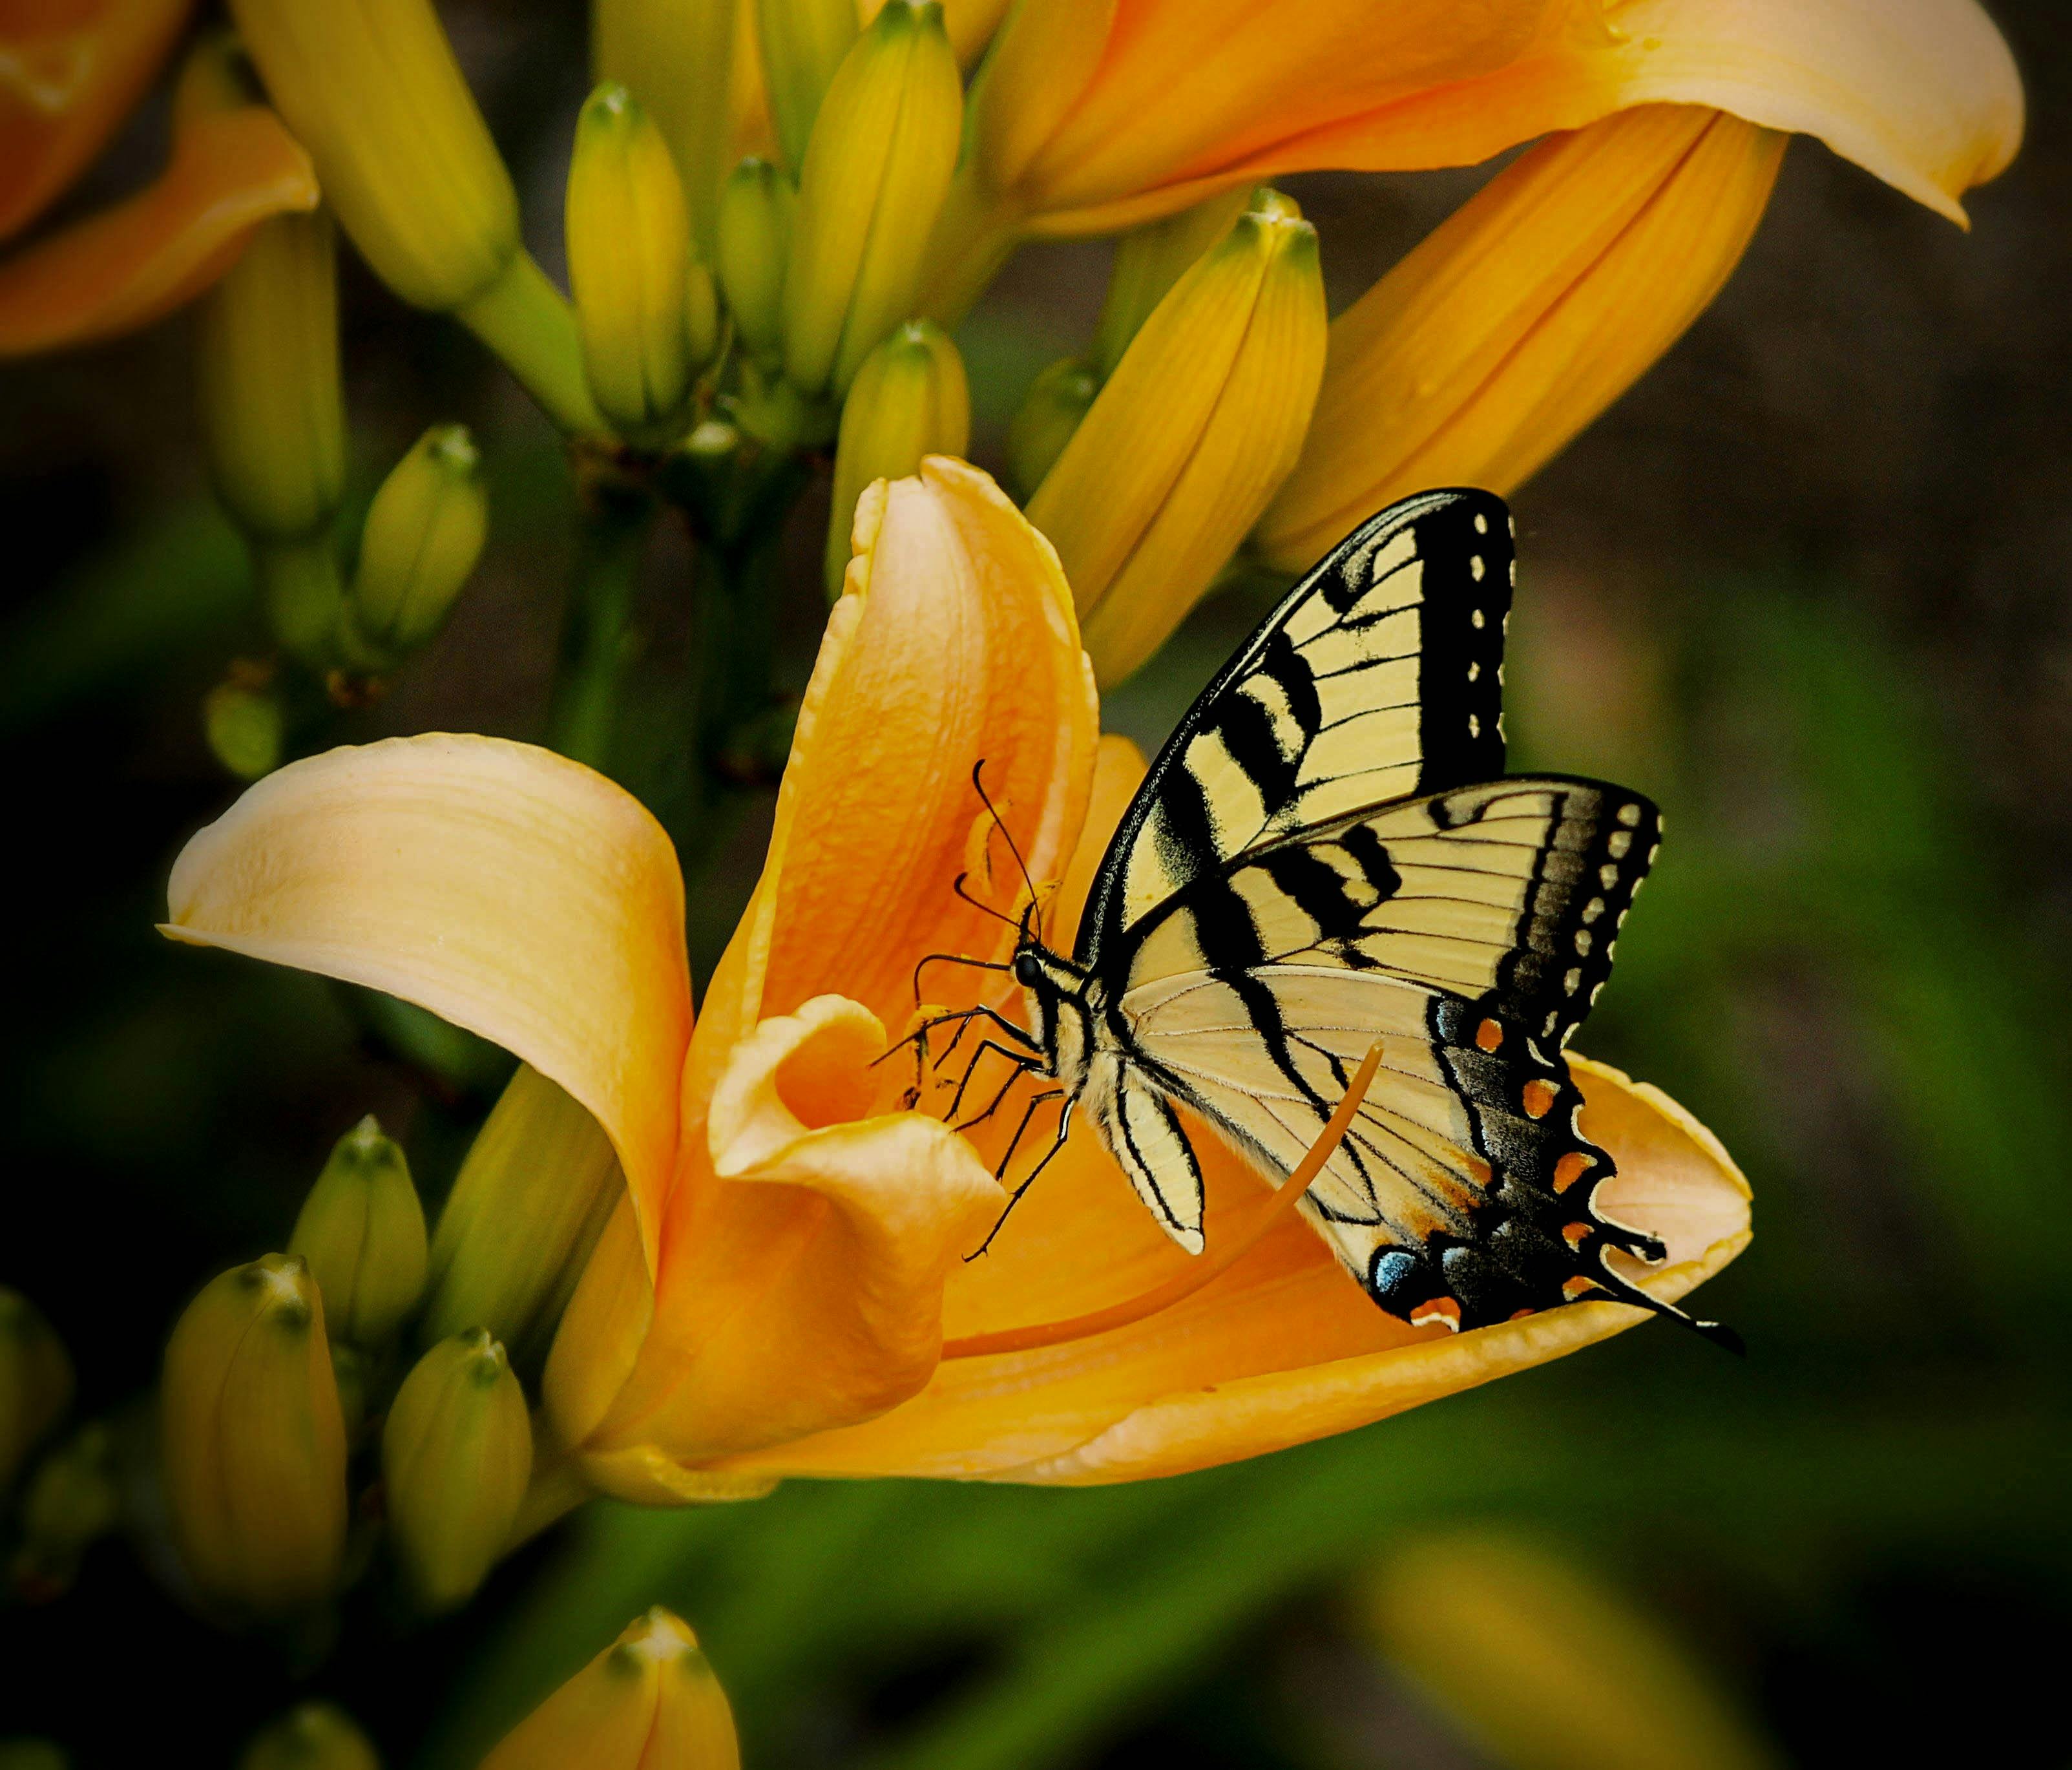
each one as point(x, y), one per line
point(1378, 676)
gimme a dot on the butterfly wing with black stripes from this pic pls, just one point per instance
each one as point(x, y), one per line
point(1325, 854)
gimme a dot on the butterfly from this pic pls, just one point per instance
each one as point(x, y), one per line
point(1327, 854)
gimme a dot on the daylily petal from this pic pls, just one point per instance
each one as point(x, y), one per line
point(1281, 1348)
point(506, 889)
point(953, 643)
point(1526, 314)
point(1921, 93)
point(70, 71)
point(803, 1290)
point(1119, 769)
point(128, 265)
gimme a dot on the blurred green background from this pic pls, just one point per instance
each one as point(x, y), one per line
point(1807, 586)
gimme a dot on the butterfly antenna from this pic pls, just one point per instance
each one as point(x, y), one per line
point(957, 887)
point(978, 769)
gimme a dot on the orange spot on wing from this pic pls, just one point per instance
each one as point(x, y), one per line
point(1443, 1309)
point(1490, 1035)
point(1539, 1097)
point(1579, 1287)
point(1571, 1168)
point(1575, 1234)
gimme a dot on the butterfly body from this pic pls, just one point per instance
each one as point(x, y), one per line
point(1327, 854)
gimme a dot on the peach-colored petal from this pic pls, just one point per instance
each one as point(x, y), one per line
point(1528, 311)
point(131, 264)
point(953, 643)
point(70, 71)
point(1923, 93)
point(1283, 1348)
point(803, 1289)
point(511, 891)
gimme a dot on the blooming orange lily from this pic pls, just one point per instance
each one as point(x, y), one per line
point(70, 72)
point(785, 1290)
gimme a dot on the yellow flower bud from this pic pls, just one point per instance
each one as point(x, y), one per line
point(254, 1442)
point(35, 1382)
point(1149, 260)
point(73, 1501)
point(1188, 439)
point(803, 43)
point(531, 1200)
point(266, 371)
point(242, 719)
point(649, 1702)
point(311, 1736)
point(456, 1454)
point(372, 89)
point(362, 1232)
point(755, 244)
point(1543, 1668)
point(424, 532)
point(1058, 399)
point(876, 171)
point(909, 399)
point(629, 249)
point(677, 57)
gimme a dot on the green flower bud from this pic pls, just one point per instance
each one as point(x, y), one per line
point(1149, 260)
point(909, 399)
point(531, 1200)
point(649, 1699)
point(629, 245)
point(755, 212)
point(35, 1382)
point(74, 1499)
point(266, 373)
point(242, 719)
point(677, 57)
point(362, 1231)
point(876, 169)
point(804, 42)
point(423, 535)
point(1057, 400)
point(253, 1442)
point(456, 1454)
point(311, 1736)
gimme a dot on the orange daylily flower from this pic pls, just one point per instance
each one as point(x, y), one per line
point(785, 1290)
point(69, 73)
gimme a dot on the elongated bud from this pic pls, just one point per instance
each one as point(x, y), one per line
point(1201, 420)
point(1149, 260)
point(242, 718)
point(629, 249)
point(755, 244)
point(456, 1454)
point(1545, 1668)
point(648, 1701)
point(423, 535)
point(362, 1232)
point(530, 1202)
point(803, 43)
point(310, 1736)
point(677, 57)
point(35, 1382)
point(254, 1442)
point(372, 89)
point(74, 1499)
point(1058, 399)
point(876, 171)
point(910, 399)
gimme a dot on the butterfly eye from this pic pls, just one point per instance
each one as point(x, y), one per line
point(1027, 972)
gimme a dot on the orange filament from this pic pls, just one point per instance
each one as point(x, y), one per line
point(1161, 1298)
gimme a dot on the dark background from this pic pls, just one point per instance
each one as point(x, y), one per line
point(1806, 585)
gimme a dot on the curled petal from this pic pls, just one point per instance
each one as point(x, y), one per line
point(506, 889)
point(1281, 1349)
point(954, 644)
point(68, 76)
point(131, 264)
point(1526, 314)
point(801, 1290)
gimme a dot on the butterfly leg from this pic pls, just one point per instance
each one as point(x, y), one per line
point(1021, 1060)
point(998, 1100)
point(1014, 1198)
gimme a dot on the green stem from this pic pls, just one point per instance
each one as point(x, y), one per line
point(524, 319)
point(598, 635)
point(303, 595)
